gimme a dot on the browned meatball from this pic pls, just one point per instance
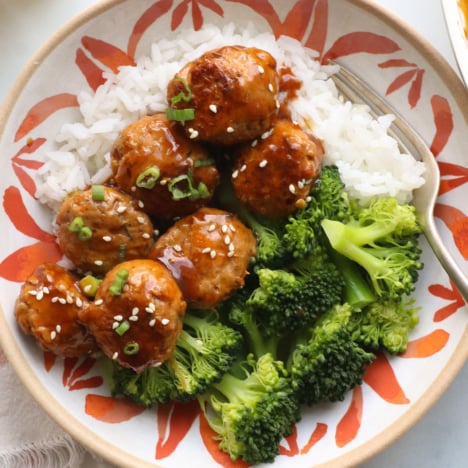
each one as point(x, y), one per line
point(208, 253)
point(137, 314)
point(154, 162)
point(273, 175)
point(47, 308)
point(234, 94)
point(97, 234)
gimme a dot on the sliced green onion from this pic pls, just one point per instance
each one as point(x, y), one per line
point(182, 187)
point(122, 328)
point(203, 162)
point(119, 282)
point(182, 96)
point(97, 192)
point(76, 224)
point(131, 348)
point(85, 233)
point(148, 178)
point(89, 285)
point(180, 115)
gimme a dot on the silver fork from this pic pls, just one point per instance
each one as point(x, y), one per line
point(424, 198)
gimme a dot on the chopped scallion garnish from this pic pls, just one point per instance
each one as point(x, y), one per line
point(148, 178)
point(97, 192)
point(119, 282)
point(203, 162)
point(76, 224)
point(131, 348)
point(183, 187)
point(89, 285)
point(85, 233)
point(182, 96)
point(180, 115)
point(122, 328)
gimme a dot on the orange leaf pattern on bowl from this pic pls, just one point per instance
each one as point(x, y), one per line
point(293, 449)
point(349, 425)
point(174, 421)
point(74, 369)
point(443, 120)
point(452, 176)
point(457, 222)
point(111, 410)
point(450, 294)
point(381, 377)
point(427, 345)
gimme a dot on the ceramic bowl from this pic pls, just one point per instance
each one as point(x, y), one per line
point(397, 390)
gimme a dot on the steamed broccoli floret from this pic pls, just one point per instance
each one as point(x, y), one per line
point(253, 412)
point(325, 361)
point(303, 233)
point(205, 350)
point(385, 325)
point(383, 240)
point(287, 300)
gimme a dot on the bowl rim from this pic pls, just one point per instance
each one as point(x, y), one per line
point(113, 454)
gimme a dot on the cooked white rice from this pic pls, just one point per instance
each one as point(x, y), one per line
point(369, 161)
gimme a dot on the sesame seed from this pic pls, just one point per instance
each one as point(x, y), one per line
point(98, 262)
point(292, 188)
point(152, 322)
point(243, 168)
point(271, 88)
point(78, 302)
point(177, 248)
point(53, 335)
point(122, 208)
point(308, 199)
point(118, 318)
point(58, 328)
point(156, 364)
point(254, 143)
point(140, 204)
point(227, 240)
point(232, 228)
point(45, 290)
point(70, 299)
point(224, 228)
point(146, 235)
point(230, 253)
point(54, 299)
point(235, 174)
point(213, 108)
point(151, 307)
point(231, 247)
point(165, 321)
point(115, 356)
point(261, 70)
point(99, 302)
point(133, 318)
point(193, 133)
point(33, 292)
point(115, 325)
point(50, 278)
point(230, 130)
point(156, 232)
point(106, 238)
point(277, 104)
point(135, 311)
point(213, 254)
point(212, 227)
point(62, 300)
point(300, 184)
point(263, 163)
point(163, 182)
point(39, 295)
point(141, 220)
point(133, 189)
point(206, 250)
point(266, 134)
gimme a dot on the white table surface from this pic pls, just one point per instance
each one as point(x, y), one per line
point(440, 438)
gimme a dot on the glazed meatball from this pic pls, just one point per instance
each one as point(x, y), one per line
point(233, 91)
point(273, 175)
point(137, 314)
point(97, 232)
point(154, 162)
point(208, 253)
point(47, 308)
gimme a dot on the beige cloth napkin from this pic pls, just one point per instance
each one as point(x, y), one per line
point(29, 438)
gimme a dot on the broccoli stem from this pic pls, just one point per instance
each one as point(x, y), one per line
point(358, 292)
